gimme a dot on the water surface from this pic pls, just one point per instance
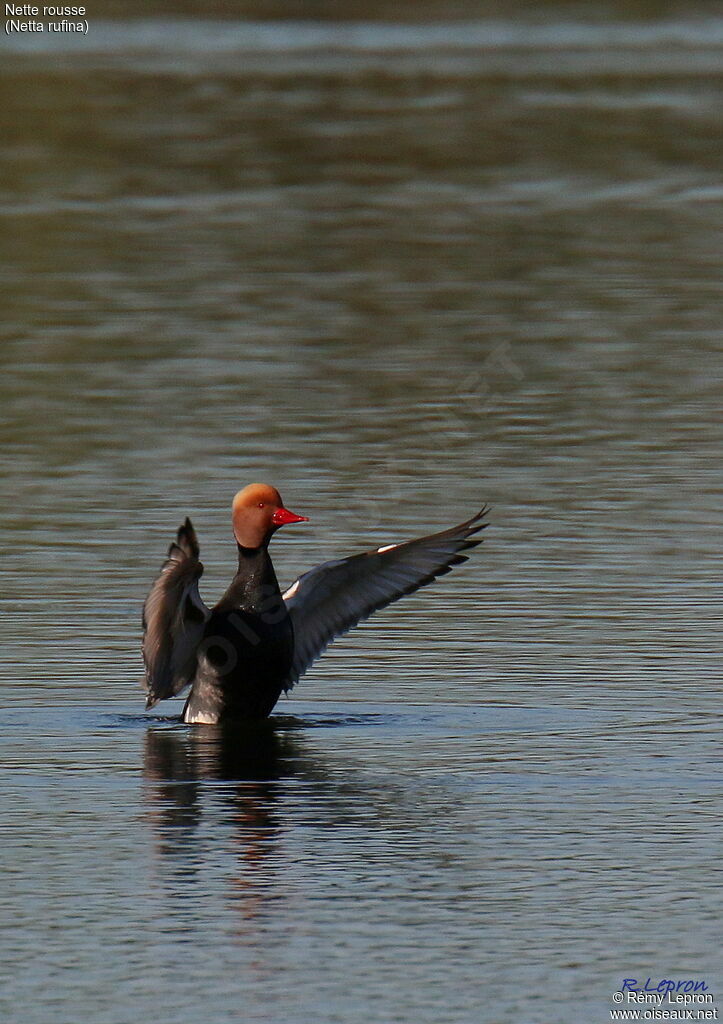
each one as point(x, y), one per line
point(398, 270)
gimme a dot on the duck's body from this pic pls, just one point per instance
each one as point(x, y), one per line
point(255, 643)
point(247, 648)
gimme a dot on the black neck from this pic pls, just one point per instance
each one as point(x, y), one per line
point(254, 584)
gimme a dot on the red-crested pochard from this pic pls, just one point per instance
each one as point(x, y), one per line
point(257, 642)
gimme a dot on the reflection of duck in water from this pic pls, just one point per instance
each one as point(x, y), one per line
point(186, 771)
point(239, 656)
point(252, 752)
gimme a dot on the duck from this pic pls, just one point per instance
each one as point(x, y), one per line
point(239, 656)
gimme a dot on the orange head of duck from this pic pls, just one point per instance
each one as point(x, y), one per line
point(257, 512)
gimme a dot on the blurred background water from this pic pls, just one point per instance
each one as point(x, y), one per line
point(398, 260)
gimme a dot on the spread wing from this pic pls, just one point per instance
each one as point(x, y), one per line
point(174, 617)
point(333, 597)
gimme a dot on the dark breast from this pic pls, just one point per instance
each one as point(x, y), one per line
point(244, 661)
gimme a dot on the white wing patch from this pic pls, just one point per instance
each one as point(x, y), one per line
point(387, 547)
point(292, 590)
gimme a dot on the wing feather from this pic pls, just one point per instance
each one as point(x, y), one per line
point(174, 617)
point(332, 598)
